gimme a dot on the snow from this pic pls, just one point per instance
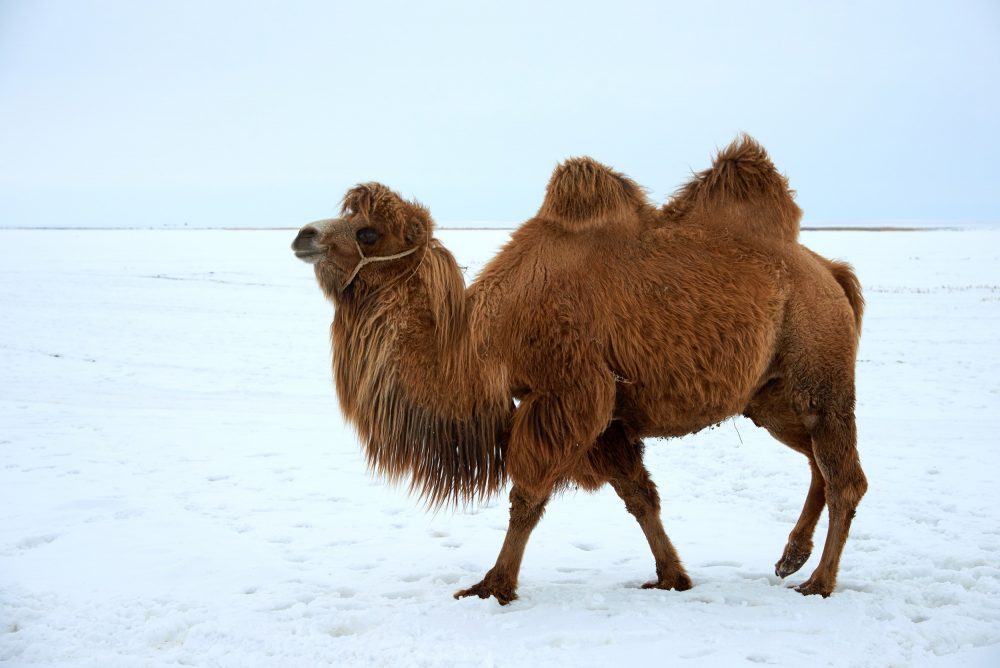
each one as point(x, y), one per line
point(178, 486)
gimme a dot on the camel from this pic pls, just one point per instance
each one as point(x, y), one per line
point(603, 321)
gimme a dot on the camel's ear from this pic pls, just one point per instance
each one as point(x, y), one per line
point(584, 194)
point(419, 225)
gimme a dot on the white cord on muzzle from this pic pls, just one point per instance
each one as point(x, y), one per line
point(375, 258)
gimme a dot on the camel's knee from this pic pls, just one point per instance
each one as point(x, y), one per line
point(834, 437)
point(850, 488)
point(640, 495)
point(526, 509)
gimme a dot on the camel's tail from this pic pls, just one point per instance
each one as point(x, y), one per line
point(742, 193)
point(849, 283)
point(584, 194)
point(848, 280)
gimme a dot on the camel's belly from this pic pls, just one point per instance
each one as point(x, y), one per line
point(687, 385)
point(654, 413)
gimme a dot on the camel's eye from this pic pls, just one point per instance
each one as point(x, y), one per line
point(367, 236)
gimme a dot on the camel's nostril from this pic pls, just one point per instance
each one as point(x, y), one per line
point(305, 239)
point(306, 245)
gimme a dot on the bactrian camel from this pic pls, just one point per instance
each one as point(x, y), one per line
point(604, 320)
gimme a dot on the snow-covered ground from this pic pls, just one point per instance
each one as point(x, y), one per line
point(178, 487)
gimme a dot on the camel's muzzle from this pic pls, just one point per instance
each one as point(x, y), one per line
point(307, 245)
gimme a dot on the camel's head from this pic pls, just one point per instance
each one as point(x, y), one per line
point(378, 237)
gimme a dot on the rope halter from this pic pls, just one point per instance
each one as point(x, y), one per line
point(374, 258)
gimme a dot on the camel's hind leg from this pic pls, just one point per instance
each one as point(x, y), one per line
point(501, 580)
point(770, 409)
point(822, 428)
point(619, 459)
point(834, 438)
point(799, 547)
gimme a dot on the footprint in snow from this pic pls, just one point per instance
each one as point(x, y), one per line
point(341, 630)
point(31, 542)
point(361, 567)
point(402, 595)
point(759, 658)
point(344, 592)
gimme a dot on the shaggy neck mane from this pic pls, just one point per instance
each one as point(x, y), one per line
point(411, 378)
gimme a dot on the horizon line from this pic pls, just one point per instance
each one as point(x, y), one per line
point(834, 227)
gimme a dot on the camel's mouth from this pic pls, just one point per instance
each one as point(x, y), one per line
point(311, 256)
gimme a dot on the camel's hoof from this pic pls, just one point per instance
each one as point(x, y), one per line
point(680, 582)
point(812, 588)
point(503, 594)
point(791, 561)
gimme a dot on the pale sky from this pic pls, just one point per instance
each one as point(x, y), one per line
point(263, 114)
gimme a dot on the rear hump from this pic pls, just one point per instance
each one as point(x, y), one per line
point(742, 193)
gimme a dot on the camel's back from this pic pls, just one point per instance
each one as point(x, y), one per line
point(683, 319)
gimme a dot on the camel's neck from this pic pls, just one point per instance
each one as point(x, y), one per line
point(411, 378)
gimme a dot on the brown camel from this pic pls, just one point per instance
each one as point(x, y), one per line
point(604, 320)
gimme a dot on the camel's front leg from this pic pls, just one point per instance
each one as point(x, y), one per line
point(618, 459)
point(643, 502)
point(546, 435)
point(501, 580)
point(638, 492)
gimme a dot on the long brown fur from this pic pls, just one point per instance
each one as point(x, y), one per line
point(608, 320)
point(418, 413)
point(584, 194)
point(742, 193)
